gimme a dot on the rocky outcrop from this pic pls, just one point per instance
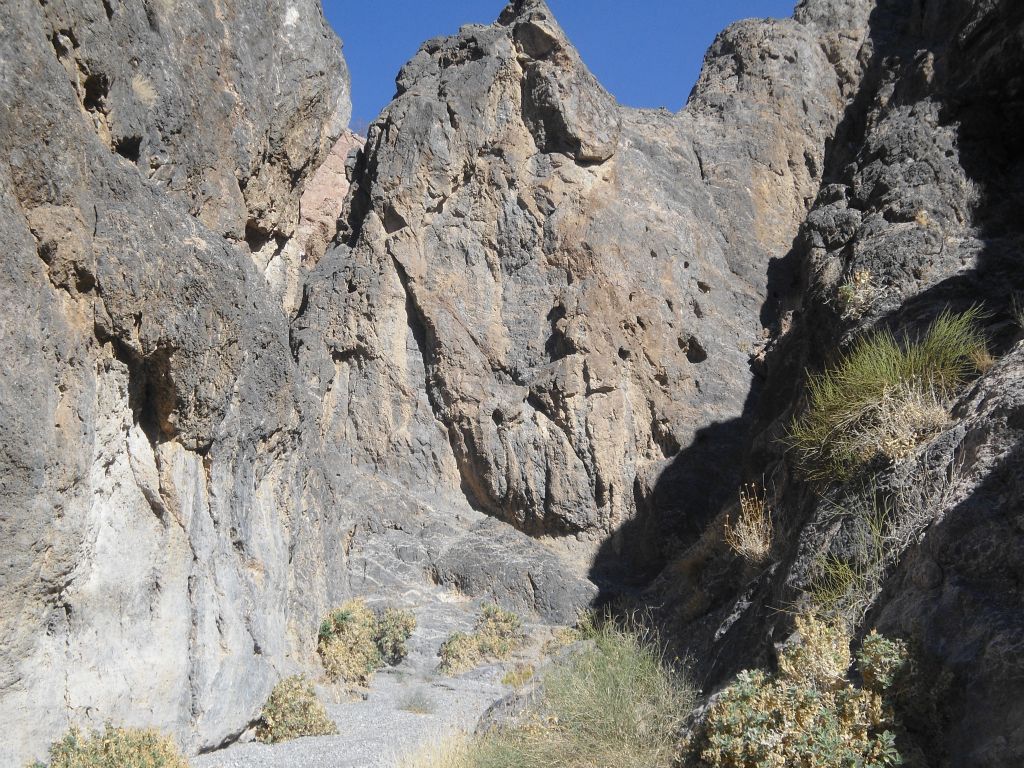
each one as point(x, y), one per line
point(917, 204)
point(571, 288)
point(173, 529)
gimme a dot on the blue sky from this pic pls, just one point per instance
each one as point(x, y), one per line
point(646, 52)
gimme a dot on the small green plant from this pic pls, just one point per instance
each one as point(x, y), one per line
point(293, 710)
point(354, 642)
point(883, 397)
point(615, 702)
point(115, 748)
point(519, 675)
point(809, 714)
point(842, 589)
point(750, 536)
point(496, 635)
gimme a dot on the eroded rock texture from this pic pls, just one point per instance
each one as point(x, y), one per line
point(538, 313)
point(572, 288)
point(920, 194)
point(174, 523)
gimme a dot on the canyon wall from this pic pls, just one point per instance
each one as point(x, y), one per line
point(520, 342)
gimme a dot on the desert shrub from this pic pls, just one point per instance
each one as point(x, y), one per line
point(750, 536)
point(496, 635)
point(354, 641)
point(809, 714)
point(613, 703)
point(293, 710)
point(519, 675)
point(394, 627)
point(856, 294)
point(115, 748)
point(883, 397)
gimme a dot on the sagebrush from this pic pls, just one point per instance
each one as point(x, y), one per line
point(293, 710)
point(115, 748)
point(355, 642)
point(808, 714)
point(884, 397)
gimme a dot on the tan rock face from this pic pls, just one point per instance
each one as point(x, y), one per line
point(323, 198)
point(576, 286)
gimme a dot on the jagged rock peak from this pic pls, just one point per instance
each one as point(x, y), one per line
point(571, 288)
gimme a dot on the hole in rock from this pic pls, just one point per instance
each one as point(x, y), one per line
point(128, 147)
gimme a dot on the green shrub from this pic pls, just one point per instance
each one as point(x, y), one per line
point(293, 710)
point(809, 714)
point(393, 628)
point(496, 635)
point(613, 703)
point(115, 748)
point(354, 642)
point(884, 397)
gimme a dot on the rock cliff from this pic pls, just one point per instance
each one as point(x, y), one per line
point(520, 341)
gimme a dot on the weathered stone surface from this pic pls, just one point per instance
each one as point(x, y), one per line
point(540, 309)
point(919, 192)
point(173, 527)
point(320, 207)
point(571, 289)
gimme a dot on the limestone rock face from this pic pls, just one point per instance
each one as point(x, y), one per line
point(571, 288)
point(173, 528)
point(540, 337)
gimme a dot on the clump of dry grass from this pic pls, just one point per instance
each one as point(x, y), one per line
point(750, 536)
point(884, 397)
point(856, 294)
point(496, 635)
point(614, 703)
point(293, 710)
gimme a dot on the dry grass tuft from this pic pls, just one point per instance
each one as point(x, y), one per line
point(856, 295)
point(751, 536)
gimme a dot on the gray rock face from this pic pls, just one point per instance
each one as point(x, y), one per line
point(173, 527)
point(570, 288)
